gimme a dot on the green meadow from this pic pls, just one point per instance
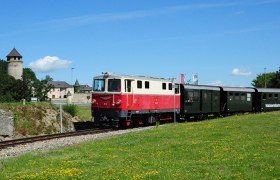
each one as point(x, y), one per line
point(236, 147)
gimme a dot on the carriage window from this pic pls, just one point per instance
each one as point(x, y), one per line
point(190, 96)
point(139, 84)
point(170, 86)
point(236, 96)
point(248, 96)
point(243, 98)
point(114, 85)
point(270, 96)
point(99, 85)
point(205, 95)
point(216, 97)
point(276, 96)
point(230, 96)
point(147, 84)
point(127, 85)
point(264, 97)
point(196, 96)
point(164, 86)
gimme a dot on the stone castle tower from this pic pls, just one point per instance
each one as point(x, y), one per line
point(14, 60)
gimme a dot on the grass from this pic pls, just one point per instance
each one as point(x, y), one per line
point(84, 113)
point(237, 147)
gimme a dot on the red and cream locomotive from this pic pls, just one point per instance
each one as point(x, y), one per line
point(122, 100)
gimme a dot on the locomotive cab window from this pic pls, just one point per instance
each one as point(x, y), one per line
point(114, 85)
point(99, 85)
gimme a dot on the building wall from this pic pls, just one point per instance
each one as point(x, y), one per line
point(59, 93)
point(15, 68)
point(81, 98)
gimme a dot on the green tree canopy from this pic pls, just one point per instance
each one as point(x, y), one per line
point(270, 80)
point(16, 90)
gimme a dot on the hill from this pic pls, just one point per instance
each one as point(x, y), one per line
point(238, 147)
point(37, 118)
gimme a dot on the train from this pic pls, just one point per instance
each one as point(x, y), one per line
point(126, 100)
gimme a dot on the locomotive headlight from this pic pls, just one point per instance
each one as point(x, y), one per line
point(118, 102)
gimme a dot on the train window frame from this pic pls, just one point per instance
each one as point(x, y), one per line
point(249, 96)
point(101, 85)
point(164, 86)
point(270, 96)
point(114, 85)
point(170, 86)
point(264, 96)
point(139, 84)
point(190, 96)
point(276, 96)
point(128, 85)
point(237, 96)
point(177, 89)
point(147, 84)
point(230, 95)
point(242, 97)
point(196, 96)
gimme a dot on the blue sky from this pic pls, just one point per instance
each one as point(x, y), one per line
point(224, 42)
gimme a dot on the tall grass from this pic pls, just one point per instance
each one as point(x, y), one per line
point(237, 147)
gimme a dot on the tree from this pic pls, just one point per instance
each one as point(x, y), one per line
point(271, 80)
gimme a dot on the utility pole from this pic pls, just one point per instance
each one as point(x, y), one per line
point(72, 75)
point(264, 77)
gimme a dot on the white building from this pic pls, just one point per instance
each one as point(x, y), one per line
point(61, 90)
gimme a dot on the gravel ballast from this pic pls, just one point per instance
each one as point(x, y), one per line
point(61, 142)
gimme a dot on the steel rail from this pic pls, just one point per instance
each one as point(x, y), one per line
point(14, 142)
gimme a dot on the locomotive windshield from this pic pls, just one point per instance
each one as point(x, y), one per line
point(114, 85)
point(99, 85)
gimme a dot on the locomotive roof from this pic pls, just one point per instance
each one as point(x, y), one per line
point(238, 89)
point(203, 87)
point(269, 90)
point(109, 75)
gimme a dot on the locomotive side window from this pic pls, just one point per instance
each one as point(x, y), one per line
point(164, 86)
point(139, 84)
point(147, 84)
point(99, 85)
point(170, 86)
point(114, 85)
point(127, 85)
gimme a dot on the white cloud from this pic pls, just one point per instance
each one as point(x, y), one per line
point(49, 63)
point(239, 72)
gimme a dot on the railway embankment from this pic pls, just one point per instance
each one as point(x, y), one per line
point(18, 120)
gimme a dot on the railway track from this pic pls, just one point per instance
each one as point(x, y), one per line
point(14, 142)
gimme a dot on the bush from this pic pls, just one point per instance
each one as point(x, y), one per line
point(71, 109)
